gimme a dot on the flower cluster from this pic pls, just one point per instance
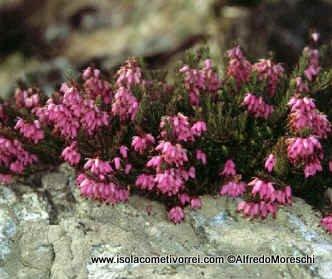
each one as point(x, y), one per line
point(306, 151)
point(71, 154)
point(270, 162)
point(70, 112)
point(200, 80)
point(95, 86)
point(265, 199)
point(262, 198)
point(169, 168)
point(232, 187)
point(13, 157)
point(238, 67)
point(104, 191)
point(256, 106)
point(27, 98)
point(181, 129)
point(313, 67)
point(269, 72)
point(125, 104)
point(129, 74)
point(77, 114)
point(140, 144)
point(98, 179)
point(229, 169)
point(304, 118)
point(31, 131)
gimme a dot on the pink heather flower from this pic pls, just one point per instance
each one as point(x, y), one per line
point(124, 151)
point(61, 118)
point(312, 167)
point(196, 81)
point(176, 214)
point(180, 127)
point(13, 156)
point(302, 104)
point(307, 151)
point(256, 106)
point(270, 72)
point(190, 174)
point(211, 80)
point(264, 189)
point(140, 144)
point(155, 162)
point(125, 104)
point(283, 197)
point(317, 122)
point(17, 167)
point(198, 128)
point(93, 118)
point(195, 203)
point(6, 178)
point(233, 189)
point(106, 192)
point(260, 209)
point(117, 163)
point(238, 66)
point(326, 223)
point(172, 154)
point(304, 115)
point(184, 198)
point(95, 86)
point(98, 167)
point(270, 163)
point(129, 74)
point(330, 166)
point(145, 182)
point(200, 155)
point(170, 181)
point(229, 169)
point(26, 98)
point(128, 168)
point(313, 68)
point(303, 148)
point(301, 85)
point(72, 112)
point(71, 155)
point(30, 131)
point(321, 126)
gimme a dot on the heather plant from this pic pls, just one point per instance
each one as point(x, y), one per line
point(257, 133)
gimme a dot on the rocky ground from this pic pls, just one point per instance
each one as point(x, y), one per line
point(52, 232)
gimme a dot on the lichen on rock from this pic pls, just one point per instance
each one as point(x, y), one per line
point(34, 248)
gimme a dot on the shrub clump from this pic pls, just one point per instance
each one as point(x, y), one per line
point(257, 133)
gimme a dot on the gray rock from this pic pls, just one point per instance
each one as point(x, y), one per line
point(34, 247)
point(56, 185)
point(24, 248)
